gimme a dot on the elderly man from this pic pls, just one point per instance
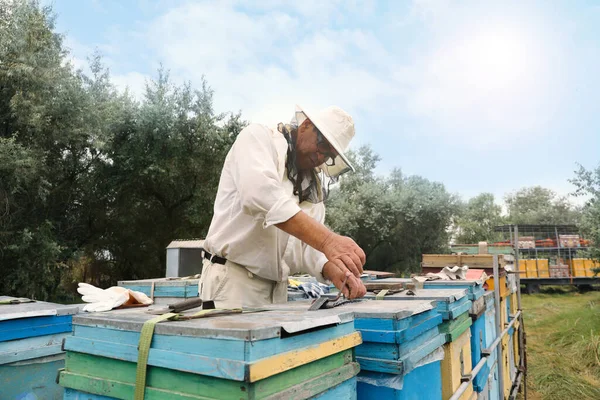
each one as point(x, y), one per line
point(269, 213)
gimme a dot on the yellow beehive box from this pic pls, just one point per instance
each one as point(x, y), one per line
point(456, 362)
point(588, 265)
point(532, 268)
point(523, 268)
point(513, 304)
point(476, 261)
point(506, 355)
point(577, 267)
point(516, 347)
point(542, 268)
point(503, 288)
point(503, 313)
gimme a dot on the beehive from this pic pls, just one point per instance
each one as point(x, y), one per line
point(294, 354)
point(31, 335)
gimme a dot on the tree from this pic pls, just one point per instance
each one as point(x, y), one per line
point(588, 184)
point(94, 185)
point(477, 220)
point(394, 219)
point(538, 205)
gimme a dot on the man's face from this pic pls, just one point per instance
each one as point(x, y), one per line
point(312, 149)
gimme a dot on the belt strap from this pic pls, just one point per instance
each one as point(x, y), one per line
point(143, 350)
point(214, 259)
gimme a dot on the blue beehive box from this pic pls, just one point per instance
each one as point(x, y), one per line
point(243, 355)
point(450, 303)
point(31, 336)
point(474, 288)
point(165, 290)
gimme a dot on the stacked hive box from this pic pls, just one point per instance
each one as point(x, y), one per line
point(165, 290)
point(483, 334)
point(31, 335)
point(583, 267)
point(452, 304)
point(491, 388)
point(260, 355)
point(534, 268)
point(401, 350)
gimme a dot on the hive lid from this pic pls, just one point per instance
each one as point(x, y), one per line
point(246, 326)
point(34, 309)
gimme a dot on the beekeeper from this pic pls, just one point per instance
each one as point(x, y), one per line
point(269, 213)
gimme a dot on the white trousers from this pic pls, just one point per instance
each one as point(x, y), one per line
point(233, 286)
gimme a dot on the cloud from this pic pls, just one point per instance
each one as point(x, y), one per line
point(266, 62)
point(134, 82)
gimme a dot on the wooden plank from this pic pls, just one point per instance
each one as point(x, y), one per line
point(319, 386)
point(29, 323)
point(29, 348)
point(277, 364)
point(218, 348)
point(456, 311)
point(19, 334)
point(346, 391)
point(161, 378)
point(405, 364)
point(35, 309)
point(394, 325)
point(459, 330)
point(379, 285)
point(122, 390)
point(451, 325)
point(395, 351)
point(117, 389)
point(402, 336)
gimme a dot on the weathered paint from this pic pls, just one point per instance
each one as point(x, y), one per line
point(114, 370)
point(32, 379)
point(277, 364)
point(423, 383)
point(457, 360)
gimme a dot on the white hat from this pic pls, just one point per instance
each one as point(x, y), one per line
point(338, 128)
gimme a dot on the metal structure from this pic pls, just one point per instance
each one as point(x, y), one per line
point(184, 258)
point(560, 257)
point(496, 345)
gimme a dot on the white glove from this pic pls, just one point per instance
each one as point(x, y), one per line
point(107, 299)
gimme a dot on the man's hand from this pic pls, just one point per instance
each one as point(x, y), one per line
point(354, 287)
point(344, 252)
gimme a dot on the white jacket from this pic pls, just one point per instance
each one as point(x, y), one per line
point(254, 194)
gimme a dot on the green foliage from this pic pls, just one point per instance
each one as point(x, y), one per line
point(477, 220)
point(394, 219)
point(93, 184)
point(588, 185)
point(538, 205)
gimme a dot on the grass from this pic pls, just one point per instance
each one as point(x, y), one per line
point(563, 344)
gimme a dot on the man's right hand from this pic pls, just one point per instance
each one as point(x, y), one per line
point(354, 287)
point(344, 252)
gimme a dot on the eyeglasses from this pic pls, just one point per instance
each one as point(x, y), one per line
point(324, 148)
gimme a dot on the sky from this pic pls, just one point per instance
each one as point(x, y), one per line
point(483, 96)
